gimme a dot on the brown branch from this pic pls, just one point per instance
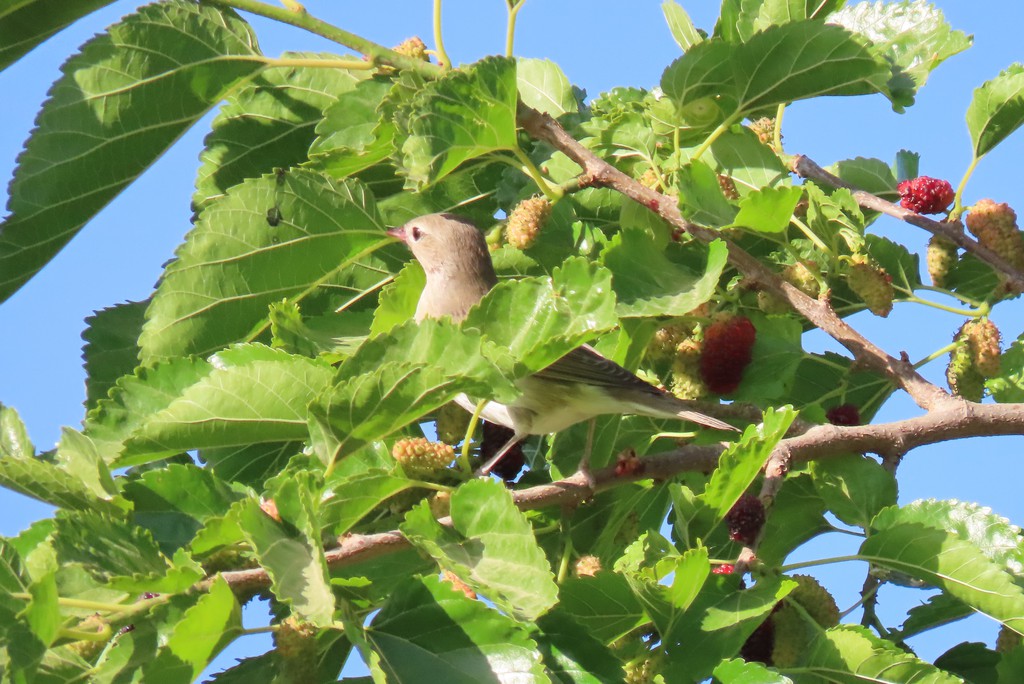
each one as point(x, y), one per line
point(952, 231)
point(955, 421)
point(598, 172)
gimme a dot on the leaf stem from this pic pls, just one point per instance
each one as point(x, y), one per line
point(442, 55)
point(510, 31)
point(350, 64)
point(552, 192)
point(378, 54)
point(820, 561)
point(911, 297)
point(777, 133)
point(464, 465)
point(100, 606)
point(936, 354)
point(82, 635)
point(958, 198)
point(715, 135)
point(809, 234)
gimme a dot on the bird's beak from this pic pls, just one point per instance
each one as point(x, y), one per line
point(397, 233)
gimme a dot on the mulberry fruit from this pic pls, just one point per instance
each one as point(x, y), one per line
point(413, 47)
point(995, 226)
point(588, 566)
point(452, 422)
point(419, 456)
point(745, 519)
point(687, 382)
point(723, 569)
point(728, 186)
point(963, 378)
point(792, 632)
point(525, 222)
point(982, 337)
point(495, 437)
point(941, 258)
point(926, 195)
point(802, 278)
point(765, 129)
point(872, 284)
point(727, 351)
point(844, 414)
point(296, 650)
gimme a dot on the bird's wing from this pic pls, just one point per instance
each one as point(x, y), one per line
point(584, 365)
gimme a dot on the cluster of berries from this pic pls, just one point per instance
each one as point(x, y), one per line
point(975, 358)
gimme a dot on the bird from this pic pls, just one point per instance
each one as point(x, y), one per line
point(579, 386)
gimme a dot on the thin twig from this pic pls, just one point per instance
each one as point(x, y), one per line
point(952, 231)
point(597, 171)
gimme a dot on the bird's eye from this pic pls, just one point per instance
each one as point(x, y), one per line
point(416, 233)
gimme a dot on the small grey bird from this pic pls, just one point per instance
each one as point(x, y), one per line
point(577, 387)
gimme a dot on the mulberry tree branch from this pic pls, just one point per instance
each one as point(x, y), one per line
point(598, 172)
point(954, 421)
point(952, 231)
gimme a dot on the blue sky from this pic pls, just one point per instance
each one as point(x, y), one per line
point(599, 44)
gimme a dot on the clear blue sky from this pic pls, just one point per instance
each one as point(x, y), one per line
point(599, 44)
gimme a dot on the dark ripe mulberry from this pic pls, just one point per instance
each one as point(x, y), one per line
point(495, 437)
point(844, 415)
point(727, 351)
point(745, 519)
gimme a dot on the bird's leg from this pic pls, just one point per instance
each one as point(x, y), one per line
point(486, 468)
point(584, 466)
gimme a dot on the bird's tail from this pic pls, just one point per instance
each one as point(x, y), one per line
point(706, 421)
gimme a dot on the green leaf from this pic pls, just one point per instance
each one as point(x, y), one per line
point(14, 440)
point(797, 515)
point(492, 548)
point(604, 604)
point(109, 111)
point(855, 650)
point(269, 123)
point(855, 488)
point(997, 538)
point(467, 642)
point(111, 347)
point(913, 36)
point(290, 551)
point(944, 559)
point(465, 114)
point(267, 239)
point(47, 482)
point(106, 546)
point(398, 299)
point(750, 163)
point(741, 463)
point(1008, 386)
point(138, 396)
point(173, 503)
point(541, 319)
point(572, 654)
point(24, 24)
point(782, 64)
point(680, 24)
point(700, 196)
point(203, 632)
point(996, 110)
point(940, 609)
point(463, 354)
point(373, 404)
point(737, 671)
point(972, 661)
point(768, 210)
point(254, 395)
point(351, 136)
point(718, 624)
point(543, 86)
point(776, 356)
point(355, 496)
point(871, 175)
point(647, 283)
